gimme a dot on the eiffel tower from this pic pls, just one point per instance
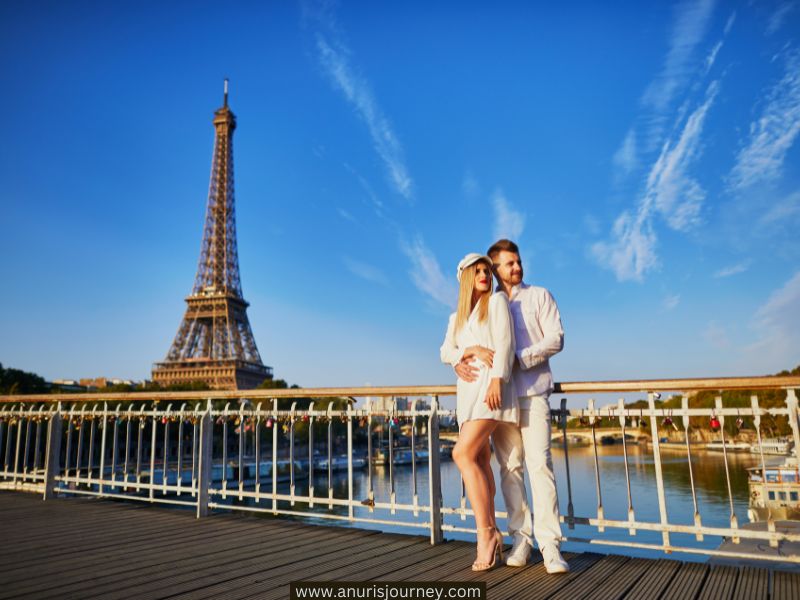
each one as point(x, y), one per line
point(214, 343)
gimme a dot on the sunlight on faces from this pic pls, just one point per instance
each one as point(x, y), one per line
point(508, 268)
point(483, 278)
point(475, 289)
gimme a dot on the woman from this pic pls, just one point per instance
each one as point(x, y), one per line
point(481, 331)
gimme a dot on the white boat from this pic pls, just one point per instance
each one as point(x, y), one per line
point(775, 492)
point(730, 446)
point(773, 446)
point(339, 463)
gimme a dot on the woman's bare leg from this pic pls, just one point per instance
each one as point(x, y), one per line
point(484, 460)
point(472, 445)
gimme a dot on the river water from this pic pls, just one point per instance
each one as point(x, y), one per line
point(709, 476)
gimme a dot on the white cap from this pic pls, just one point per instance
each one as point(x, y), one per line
point(470, 259)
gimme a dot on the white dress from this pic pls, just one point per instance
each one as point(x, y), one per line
point(496, 333)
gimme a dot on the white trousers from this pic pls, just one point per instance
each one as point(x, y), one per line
point(527, 447)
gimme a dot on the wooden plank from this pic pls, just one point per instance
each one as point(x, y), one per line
point(87, 535)
point(655, 582)
point(171, 554)
point(419, 558)
point(465, 572)
point(168, 570)
point(343, 570)
point(720, 582)
point(111, 531)
point(623, 579)
point(259, 581)
point(595, 576)
point(534, 581)
point(753, 584)
point(452, 570)
point(89, 548)
point(443, 560)
point(687, 582)
point(785, 585)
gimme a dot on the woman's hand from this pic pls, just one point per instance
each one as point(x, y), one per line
point(484, 354)
point(494, 396)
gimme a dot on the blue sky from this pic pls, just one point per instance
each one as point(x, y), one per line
point(644, 155)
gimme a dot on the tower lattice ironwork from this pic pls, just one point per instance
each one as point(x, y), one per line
point(215, 343)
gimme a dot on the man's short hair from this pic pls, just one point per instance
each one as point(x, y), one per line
point(500, 246)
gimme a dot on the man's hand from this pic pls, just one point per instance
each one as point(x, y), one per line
point(494, 396)
point(466, 371)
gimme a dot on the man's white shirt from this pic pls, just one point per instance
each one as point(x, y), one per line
point(539, 335)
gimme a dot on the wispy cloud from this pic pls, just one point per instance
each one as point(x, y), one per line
point(712, 55)
point(729, 23)
point(632, 249)
point(691, 22)
point(777, 18)
point(470, 185)
point(373, 197)
point(783, 210)
point(676, 195)
point(508, 222)
point(427, 274)
point(625, 159)
point(671, 302)
point(733, 269)
point(365, 271)
point(670, 192)
point(335, 59)
point(773, 133)
point(346, 215)
point(777, 323)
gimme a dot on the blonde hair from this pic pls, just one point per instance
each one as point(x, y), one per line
point(465, 291)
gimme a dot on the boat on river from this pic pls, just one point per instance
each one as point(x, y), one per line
point(400, 456)
point(773, 446)
point(775, 491)
point(339, 463)
point(730, 446)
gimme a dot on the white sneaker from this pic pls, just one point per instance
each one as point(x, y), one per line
point(553, 561)
point(520, 551)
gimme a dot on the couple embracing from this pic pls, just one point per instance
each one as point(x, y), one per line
point(499, 342)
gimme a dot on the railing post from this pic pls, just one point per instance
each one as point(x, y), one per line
point(570, 508)
point(350, 460)
point(103, 427)
point(434, 474)
point(794, 418)
point(53, 456)
point(205, 457)
point(662, 499)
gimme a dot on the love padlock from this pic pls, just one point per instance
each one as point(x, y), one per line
point(715, 425)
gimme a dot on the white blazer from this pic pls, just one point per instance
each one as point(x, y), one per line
point(496, 333)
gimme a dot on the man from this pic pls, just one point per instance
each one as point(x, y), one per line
point(539, 335)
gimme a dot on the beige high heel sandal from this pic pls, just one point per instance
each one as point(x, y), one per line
point(498, 549)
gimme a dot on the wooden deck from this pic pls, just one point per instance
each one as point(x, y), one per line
point(86, 548)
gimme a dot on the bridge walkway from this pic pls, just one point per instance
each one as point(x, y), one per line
point(88, 548)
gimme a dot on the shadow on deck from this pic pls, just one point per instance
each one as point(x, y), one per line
point(81, 548)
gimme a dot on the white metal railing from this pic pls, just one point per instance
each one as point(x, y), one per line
point(249, 451)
